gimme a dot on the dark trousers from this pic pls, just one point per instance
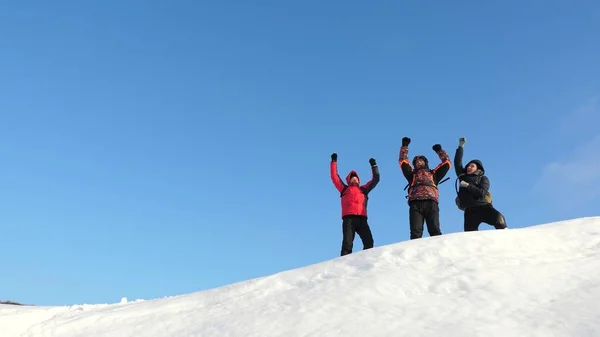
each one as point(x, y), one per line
point(424, 211)
point(355, 224)
point(474, 216)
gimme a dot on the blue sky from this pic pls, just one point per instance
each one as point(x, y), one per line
point(155, 149)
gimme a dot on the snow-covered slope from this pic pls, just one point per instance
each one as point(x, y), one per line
point(537, 281)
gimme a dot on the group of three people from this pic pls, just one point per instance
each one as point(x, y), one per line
point(423, 196)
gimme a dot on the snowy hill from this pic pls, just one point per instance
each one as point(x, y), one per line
point(537, 281)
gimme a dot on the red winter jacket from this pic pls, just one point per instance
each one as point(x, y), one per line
point(354, 197)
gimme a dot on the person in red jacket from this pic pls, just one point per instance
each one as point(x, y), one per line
point(354, 199)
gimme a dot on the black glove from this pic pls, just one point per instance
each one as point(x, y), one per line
point(405, 141)
point(437, 147)
point(372, 162)
point(334, 156)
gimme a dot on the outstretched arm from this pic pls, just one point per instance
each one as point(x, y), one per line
point(458, 157)
point(405, 167)
point(369, 186)
point(442, 169)
point(477, 191)
point(333, 172)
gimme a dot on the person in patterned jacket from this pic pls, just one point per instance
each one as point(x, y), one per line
point(423, 194)
point(354, 199)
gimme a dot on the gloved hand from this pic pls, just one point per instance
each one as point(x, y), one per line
point(462, 141)
point(372, 162)
point(437, 147)
point(334, 156)
point(464, 184)
point(405, 141)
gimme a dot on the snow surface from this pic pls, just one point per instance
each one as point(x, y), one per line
point(537, 281)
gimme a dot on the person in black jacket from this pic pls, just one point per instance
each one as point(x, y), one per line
point(473, 193)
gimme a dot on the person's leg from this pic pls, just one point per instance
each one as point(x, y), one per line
point(364, 232)
point(432, 217)
point(416, 219)
point(347, 235)
point(472, 219)
point(493, 217)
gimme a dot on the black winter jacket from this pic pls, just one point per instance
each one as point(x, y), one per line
point(479, 184)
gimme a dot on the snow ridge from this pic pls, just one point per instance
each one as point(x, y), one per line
point(537, 281)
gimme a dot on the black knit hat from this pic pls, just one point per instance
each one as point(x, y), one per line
point(422, 157)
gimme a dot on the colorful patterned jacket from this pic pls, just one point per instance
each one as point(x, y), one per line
point(423, 182)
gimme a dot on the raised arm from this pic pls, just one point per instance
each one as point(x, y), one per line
point(333, 172)
point(405, 167)
point(442, 169)
point(369, 186)
point(458, 157)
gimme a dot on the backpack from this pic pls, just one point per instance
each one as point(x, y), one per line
point(487, 196)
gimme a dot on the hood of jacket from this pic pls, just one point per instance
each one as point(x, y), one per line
point(350, 175)
point(479, 165)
